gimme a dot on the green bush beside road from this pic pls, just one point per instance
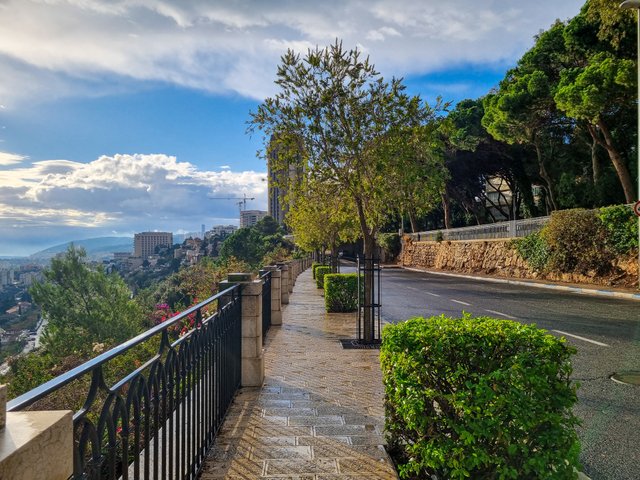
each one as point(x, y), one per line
point(581, 241)
point(478, 398)
point(341, 292)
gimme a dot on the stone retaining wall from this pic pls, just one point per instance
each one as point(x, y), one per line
point(498, 258)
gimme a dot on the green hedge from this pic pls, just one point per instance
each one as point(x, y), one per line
point(314, 266)
point(321, 271)
point(576, 239)
point(478, 398)
point(534, 249)
point(579, 240)
point(621, 226)
point(341, 292)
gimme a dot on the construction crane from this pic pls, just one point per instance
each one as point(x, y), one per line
point(242, 203)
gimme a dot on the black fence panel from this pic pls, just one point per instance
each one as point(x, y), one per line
point(160, 419)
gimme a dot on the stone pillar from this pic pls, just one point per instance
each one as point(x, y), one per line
point(276, 295)
point(284, 282)
point(252, 356)
point(35, 445)
point(3, 406)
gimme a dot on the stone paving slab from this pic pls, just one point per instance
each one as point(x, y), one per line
point(319, 414)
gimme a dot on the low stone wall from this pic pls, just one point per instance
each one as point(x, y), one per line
point(498, 258)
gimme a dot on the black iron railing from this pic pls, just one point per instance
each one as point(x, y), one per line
point(159, 421)
point(266, 302)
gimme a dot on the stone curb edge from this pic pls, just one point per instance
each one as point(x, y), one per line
point(552, 286)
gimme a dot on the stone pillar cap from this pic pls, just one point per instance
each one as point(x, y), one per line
point(240, 277)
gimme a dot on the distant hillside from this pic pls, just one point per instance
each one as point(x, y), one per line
point(97, 248)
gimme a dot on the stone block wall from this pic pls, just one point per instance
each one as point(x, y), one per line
point(499, 258)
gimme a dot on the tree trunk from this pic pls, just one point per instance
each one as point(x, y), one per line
point(368, 333)
point(616, 159)
point(413, 220)
point(595, 164)
point(446, 209)
point(334, 258)
point(546, 177)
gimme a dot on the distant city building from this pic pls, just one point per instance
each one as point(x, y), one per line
point(248, 218)
point(29, 278)
point(280, 179)
point(6, 277)
point(121, 256)
point(145, 243)
point(223, 230)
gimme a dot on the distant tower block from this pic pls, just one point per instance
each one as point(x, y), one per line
point(145, 243)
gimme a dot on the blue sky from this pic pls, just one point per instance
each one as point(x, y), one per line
point(123, 116)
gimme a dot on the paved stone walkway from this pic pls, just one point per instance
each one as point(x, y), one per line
point(319, 414)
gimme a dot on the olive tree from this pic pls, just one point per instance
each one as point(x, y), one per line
point(334, 107)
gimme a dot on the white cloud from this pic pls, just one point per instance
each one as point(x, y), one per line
point(7, 158)
point(125, 193)
point(79, 47)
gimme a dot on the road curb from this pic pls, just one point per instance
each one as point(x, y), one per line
point(551, 286)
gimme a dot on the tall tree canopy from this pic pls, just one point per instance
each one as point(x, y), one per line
point(335, 108)
point(83, 305)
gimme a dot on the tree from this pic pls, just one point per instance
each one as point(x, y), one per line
point(418, 173)
point(523, 110)
point(83, 306)
point(333, 106)
point(251, 244)
point(472, 156)
point(321, 217)
point(600, 87)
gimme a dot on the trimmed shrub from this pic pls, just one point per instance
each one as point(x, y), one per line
point(321, 271)
point(341, 292)
point(478, 398)
point(391, 244)
point(534, 249)
point(576, 239)
point(314, 266)
point(621, 226)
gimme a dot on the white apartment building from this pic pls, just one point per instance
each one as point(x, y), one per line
point(145, 243)
point(248, 218)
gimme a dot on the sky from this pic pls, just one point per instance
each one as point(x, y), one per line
point(124, 116)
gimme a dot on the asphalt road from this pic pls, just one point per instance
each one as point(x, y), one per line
point(610, 342)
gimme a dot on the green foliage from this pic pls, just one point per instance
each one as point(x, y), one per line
point(479, 398)
point(622, 227)
point(439, 236)
point(576, 239)
point(314, 266)
point(29, 371)
point(341, 292)
point(321, 271)
point(83, 305)
point(391, 243)
point(534, 249)
point(253, 244)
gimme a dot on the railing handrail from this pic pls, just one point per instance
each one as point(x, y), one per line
point(48, 387)
point(504, 226)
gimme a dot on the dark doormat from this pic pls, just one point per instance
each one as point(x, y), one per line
point(354, 344)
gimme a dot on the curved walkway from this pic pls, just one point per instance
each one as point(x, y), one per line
point(319, 414)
